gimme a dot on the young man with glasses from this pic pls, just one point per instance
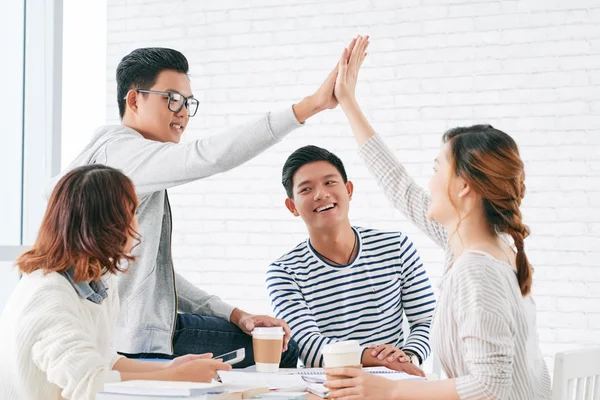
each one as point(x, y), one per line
point(162, 314)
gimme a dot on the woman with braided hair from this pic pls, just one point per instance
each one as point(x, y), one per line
point(485, 324)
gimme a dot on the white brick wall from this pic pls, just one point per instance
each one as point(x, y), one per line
point(531, 68)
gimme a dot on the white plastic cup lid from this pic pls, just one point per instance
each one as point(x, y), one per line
point(348, 346)
point(276, 330)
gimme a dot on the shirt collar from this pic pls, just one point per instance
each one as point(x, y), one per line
point(94, 291)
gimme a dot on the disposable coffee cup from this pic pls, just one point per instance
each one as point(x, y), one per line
point(267, 344)
point(345, 354)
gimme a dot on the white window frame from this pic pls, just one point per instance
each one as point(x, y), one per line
point(42, 104)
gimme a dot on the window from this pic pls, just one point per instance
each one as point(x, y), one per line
point(31, 34)
point(11, 109)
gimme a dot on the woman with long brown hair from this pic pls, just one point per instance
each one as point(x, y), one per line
point(56, 331)
point(485, 323)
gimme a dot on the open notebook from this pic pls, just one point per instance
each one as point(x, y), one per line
point(293, 379)
point(317, 375)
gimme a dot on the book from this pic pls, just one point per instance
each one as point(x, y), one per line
point(163, 388)
point(318, 389)
point(120, 396)
point(283, 396)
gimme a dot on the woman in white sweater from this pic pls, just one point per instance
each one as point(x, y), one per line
point(484, 328)
point(56, 331)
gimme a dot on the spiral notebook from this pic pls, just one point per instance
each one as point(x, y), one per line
point(294, 379)
point(317, 375)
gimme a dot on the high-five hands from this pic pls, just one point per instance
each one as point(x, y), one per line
point(340, 84)
point(348, 67)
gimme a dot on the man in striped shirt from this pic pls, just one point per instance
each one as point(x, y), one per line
point(345, 282)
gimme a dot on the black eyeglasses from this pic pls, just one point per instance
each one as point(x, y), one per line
point(176, 101)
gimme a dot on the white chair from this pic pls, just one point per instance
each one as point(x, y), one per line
point(577, 375)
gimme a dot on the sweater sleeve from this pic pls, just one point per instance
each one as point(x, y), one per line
point(194, 300)
point(402, 191)
point(114, 309)
point(154, 166)
point(288, 304)
point(63, 348)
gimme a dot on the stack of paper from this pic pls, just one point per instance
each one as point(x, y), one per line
point(319, 390)
point(162, 390)
point(242, 380)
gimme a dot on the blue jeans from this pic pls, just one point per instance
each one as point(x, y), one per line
point(197, 334)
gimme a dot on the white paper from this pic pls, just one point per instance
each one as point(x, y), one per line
point(319, 390)
point(242, 379)
point(143, 387)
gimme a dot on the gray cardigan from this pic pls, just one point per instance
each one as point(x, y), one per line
point(151, 292)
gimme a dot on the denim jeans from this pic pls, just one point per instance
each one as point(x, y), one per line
point(197, 334)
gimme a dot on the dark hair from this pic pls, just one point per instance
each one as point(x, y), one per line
point(139, 69)
point(86, 225)
point(306, 155)
point(489, 160)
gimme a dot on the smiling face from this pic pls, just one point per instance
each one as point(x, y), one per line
point(320, 196)
point(150, 114)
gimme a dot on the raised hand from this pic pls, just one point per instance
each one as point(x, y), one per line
point(348, 67)
point(324, 97)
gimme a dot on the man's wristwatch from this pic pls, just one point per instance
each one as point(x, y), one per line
point(414, 359)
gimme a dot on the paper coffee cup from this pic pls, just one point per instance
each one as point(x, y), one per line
point(342, 354)
point(267, 344)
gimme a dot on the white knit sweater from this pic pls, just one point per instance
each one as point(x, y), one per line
point(54, 344)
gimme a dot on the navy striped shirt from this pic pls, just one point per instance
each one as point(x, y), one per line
point(365, 300)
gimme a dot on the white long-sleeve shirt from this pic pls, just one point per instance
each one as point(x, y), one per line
point(53, 343)
point(484, 330)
